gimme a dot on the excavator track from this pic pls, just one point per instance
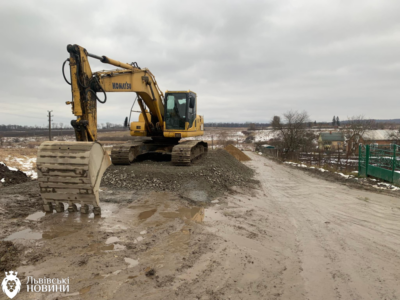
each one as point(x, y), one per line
point(186, 152)
point(126, 153)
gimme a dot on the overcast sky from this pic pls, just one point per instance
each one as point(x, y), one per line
point(246, 60)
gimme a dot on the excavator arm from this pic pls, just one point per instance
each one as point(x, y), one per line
point(85, 86)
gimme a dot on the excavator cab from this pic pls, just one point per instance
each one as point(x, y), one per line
point(180, 110)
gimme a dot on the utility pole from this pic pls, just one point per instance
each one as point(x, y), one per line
point(49, 111)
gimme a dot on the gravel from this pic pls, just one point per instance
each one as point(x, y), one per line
point(214, 174)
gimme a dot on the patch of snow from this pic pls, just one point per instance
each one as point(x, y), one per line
point(341, 174)
point(32, 174)
point(3, 180)
point(386, 186)
point(12, 169)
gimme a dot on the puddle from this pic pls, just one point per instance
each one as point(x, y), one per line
point(119, 227)
point(118, 247)
point(132, 262)
point(36, 216)
point(103, 248)
point(112, 239)
point(85, 290)
point(147, 214)
point(138, 239)
point(58, 232)
point(97, 247)
point(195, 214)
point(26, 234)
point(198, 196)
point(113, 273)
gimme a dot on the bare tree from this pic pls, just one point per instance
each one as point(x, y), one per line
point(293, 131)
point(276, 119)
point(252, 126)
point(354, 129)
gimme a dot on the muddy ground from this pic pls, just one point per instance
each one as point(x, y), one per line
point(293, 236)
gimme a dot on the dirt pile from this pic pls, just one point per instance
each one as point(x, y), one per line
point(236, 153)
point(9, 177)
point(211, 175)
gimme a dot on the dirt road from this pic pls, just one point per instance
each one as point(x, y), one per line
point(309, 239)
point(293, 237)
point(301, 237)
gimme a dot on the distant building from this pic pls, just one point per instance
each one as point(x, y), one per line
point(372, 137)
point(332, 140)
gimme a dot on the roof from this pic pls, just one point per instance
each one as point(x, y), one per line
point(378, 135)
point(332, 136)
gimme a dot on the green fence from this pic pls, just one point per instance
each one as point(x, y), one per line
point(380, 161)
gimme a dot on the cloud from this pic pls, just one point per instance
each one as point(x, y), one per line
point(246, 60)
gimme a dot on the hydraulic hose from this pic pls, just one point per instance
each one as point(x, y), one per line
point(63, 68)
point(94, 93)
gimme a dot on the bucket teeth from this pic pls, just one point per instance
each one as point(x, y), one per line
point(72, 208)
point(48, 207)
point(97, 211)
point(59, 207)
point(84, 209)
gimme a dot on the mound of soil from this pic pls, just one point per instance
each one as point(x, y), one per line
point(211, 176)
point(9, 256)
point(236, 153)
point(9, 177)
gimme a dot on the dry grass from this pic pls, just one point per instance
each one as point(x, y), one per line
point(8, 156)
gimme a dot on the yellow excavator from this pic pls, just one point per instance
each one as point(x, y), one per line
point(71, 172)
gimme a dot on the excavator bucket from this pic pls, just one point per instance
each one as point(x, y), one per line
point(71, 172)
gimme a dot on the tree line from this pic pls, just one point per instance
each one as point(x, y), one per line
point(58, 126)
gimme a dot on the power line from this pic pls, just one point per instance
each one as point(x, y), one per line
point(50, 111)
